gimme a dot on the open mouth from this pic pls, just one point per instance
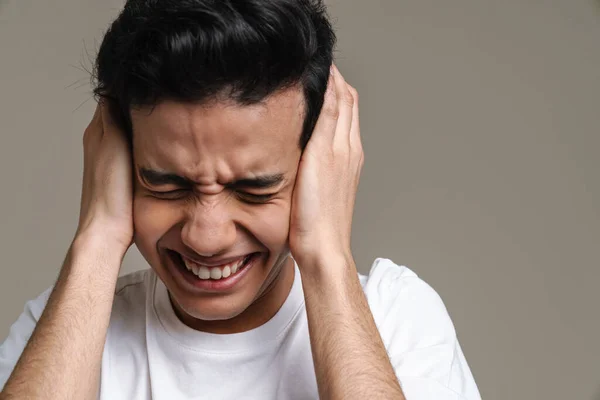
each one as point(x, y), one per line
point(218, 273)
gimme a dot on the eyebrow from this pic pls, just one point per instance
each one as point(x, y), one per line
point(158, 178)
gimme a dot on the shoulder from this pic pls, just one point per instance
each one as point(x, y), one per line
point(127, 318)
point(130, 288)
point(395, 290)
point(131, 293)
point(408, 311)
point(132, 283)
point(418, 334)
point(127, 326)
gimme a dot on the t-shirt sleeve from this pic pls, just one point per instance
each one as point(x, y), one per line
point(19, 333)
point(418, 334)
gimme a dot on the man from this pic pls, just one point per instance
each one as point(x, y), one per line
point(227, 147)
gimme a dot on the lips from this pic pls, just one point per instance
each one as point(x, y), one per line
point(222, 271)
point(214, 262)
point(213, 271)
point(192, 283)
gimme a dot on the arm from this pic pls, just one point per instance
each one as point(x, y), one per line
point(62, 358)
point(349, 356)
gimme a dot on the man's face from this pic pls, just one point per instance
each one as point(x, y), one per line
point(214, 184)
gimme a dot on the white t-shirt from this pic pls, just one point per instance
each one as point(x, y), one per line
point(150, 354)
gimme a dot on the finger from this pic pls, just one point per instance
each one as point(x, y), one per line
point(107, 121)
point(345, 105)
point(94, 125)
point(327, 121)
point(355, 139)
point(98, 112)
point(110, 127)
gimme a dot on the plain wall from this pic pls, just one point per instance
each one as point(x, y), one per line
point(480, 122)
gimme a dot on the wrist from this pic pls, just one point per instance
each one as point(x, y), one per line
point(333, 288)
point(101, 244)
point(315, 249)
point(102, 233)
point(324, 268)
point(93, 263)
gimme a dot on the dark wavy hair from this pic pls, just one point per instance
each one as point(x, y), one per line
point(202, 50)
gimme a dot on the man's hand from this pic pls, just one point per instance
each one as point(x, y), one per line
point(327, 180)
point(106, 194)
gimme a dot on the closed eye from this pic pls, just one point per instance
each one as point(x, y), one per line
point(255, 198)
point(171, 194)
point(244, 196)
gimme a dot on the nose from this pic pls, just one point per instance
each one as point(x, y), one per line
point(209, 228)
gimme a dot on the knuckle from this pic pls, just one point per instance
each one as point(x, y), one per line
point(348, 98)
point(359, 150)
point(341, 152)
point(354, 93)
point(330, 104)
point(331, 110)
point(86, 135)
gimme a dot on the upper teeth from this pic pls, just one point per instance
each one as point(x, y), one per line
point(219, 272)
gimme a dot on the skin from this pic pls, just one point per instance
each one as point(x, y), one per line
point(62, 358)
point(212, 146)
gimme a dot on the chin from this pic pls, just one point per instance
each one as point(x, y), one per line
point(206, 301)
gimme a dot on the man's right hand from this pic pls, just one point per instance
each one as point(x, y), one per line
point(106, 195)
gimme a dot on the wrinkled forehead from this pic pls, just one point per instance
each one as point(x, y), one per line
point(177, 135)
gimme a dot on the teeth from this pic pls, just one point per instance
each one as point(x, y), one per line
point(203, 273)
point(226, 272)
point(215, 273)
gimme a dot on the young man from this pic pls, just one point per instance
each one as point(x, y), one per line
point(227, 147)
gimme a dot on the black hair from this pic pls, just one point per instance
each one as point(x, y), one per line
point(200, 50)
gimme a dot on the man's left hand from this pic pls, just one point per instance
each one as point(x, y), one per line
point(327, 179)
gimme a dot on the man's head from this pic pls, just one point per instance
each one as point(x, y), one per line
point(195, 51)
point(218, 98)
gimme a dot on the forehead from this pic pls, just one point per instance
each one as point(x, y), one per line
point(219, 137)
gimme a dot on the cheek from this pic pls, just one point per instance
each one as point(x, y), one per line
point(270, 225)
point(151, 220)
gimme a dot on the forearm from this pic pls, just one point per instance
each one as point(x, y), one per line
point(349, 357)
point(62, 358)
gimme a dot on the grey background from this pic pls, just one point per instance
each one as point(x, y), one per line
point(481, 130)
